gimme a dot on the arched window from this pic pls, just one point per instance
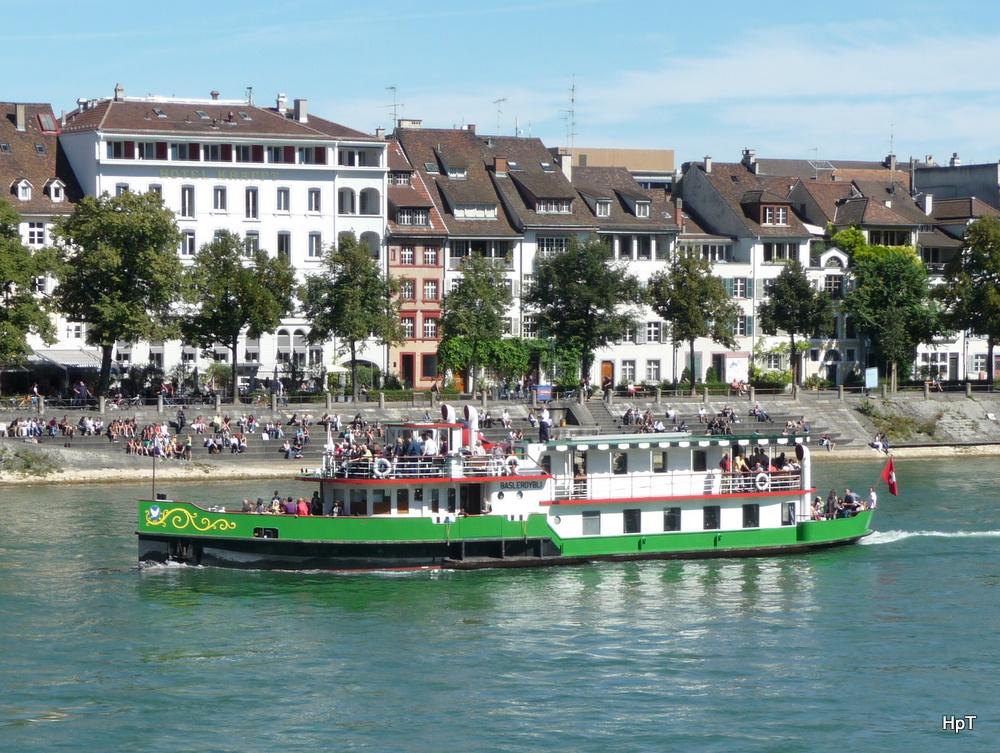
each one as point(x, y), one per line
point(345, 201)
point(284, 353)
point(370, 203)
point(299, 346)
point(373, 242)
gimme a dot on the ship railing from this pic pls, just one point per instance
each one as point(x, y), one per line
point(429, 466)
point(614, 486)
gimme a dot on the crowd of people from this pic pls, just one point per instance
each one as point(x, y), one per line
point(843, 507)
point(743, 469)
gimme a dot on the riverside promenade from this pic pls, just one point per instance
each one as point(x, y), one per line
point(919, 423)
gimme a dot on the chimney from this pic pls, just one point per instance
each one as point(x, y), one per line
point(214, 94)
point(302, 110)
point(928, 202)
point(409, 123)
point(890, 162)
point(679, 213)
point(500, 165)
point(119, 92)
point(19, 118)
point(281, 104)
point(954, 161)
point(750, 160)
point(708, 164)
point(471, 127)
point(565, 159)
point(380, 133)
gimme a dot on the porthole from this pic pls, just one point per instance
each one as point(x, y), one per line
point(557, 520)
point(499, 495)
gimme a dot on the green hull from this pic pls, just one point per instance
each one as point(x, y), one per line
point(183, 531)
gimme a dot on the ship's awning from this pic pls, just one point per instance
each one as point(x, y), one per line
point(66, 358)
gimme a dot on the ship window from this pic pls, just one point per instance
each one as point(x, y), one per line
point(359, 502)
point(403, 501)
point(418, 497)
point(699, 460)
point(435, 500)
point(591, 523)
point(788, 514)
point(672, 519)
point(547, 463)
point(451, 499)
point(751, 516)
point(619, 462)
point(713, 514)
point(265, 533)
point(381, 502)
point(659, 461)
point(633, 520)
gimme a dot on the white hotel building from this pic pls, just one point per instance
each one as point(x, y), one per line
point(285, 180)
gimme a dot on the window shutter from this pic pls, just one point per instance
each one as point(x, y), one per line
point(320, 154)
point(515, 326)
point(749, 287)
point(161, 150)
point(129, 150)
point(257, 153)
point(516, 289)
point(194, 152)
point(697, 365)
point(640, 334)
point(227, 152)
point(288, 154)
point(749, 326)
point(728, 282)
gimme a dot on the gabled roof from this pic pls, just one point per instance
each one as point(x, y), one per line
point(937, 239)
point(416, 195)
point(897, 195)
point(618, 185)
point(826, 196)
point(157, 116)
point(25, 161)
point(396, 159)
point(732, 182)
point(543, 185)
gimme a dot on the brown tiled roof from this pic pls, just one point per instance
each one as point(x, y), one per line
point(543, 185)
point(422, 145)
point(397, 160)
point(965, 208)
point(896, 193)
point(732, 181)
point(24, 161)
point(938, 239)
point(181, 118)
point(616, 183)
point(868, 211)
point(827, 195)
point(435, 226)
point(407, 196)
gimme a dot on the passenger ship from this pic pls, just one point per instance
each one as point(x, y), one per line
point(562, 501)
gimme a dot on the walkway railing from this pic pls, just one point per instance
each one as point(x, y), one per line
point(428, 466)
point(684, 484)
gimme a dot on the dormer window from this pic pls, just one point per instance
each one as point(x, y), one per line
point(458, 173)
point(56, 190)
point(399, 179)
point(430, 167)
point(553, 206)
point(40, 150)
point(642, 209)
point(603, 208)
point(773, 215)
point(412, 217)
point(4, 147)
point(23, 190)
point(476, 212)
point(158, 112)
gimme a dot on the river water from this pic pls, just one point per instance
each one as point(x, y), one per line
point(863, 648)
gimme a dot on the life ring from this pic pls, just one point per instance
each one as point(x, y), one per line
point(381, 468)
point(511, 465)
point(762, 482)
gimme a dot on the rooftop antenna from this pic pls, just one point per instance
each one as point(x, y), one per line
point(394, 106)
point(249, 95)
point(570, 114)
point(499, 102)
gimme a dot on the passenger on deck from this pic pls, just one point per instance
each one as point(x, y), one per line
point(290, 507)
point(831, 504)
point(316, 504)
point(247, 505)
point(817, 510)
point(302, 507)
point(259, 507)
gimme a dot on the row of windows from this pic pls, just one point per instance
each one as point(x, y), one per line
point(247, 153)
point(251, 244)
point(430, 327)
point(369, 200)
point(671, 521)
point(653, 371)
point(408, 289)
point(53, 189)
point(408, 216)
point(429, 257)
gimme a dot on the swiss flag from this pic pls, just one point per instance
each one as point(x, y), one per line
point(889, 476)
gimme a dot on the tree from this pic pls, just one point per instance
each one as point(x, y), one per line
point(891, 303)
point(583, 299)
point(695, 303)
point(795, 307)
point(971, 289)
point(229, 292)
point(22, 312)
point(474, 310)
point(118, 271)
point(351, 300)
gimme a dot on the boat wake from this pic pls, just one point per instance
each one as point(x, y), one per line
point(891, 537)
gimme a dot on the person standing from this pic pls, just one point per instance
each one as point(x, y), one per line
point(872, 498)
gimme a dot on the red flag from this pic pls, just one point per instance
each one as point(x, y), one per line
point(889, 476)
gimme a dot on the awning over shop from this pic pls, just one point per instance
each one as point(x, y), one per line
point(66, 358)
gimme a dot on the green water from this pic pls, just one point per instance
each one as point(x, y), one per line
point(856, 649)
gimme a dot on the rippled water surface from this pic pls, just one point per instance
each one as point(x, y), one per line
point(856, 649)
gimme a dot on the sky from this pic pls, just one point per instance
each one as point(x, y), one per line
point(840, 80)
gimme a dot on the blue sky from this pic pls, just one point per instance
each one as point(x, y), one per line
point(802, 79)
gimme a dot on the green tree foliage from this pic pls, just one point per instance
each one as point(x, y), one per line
point(971, 289)
point(229, 293)
point(797, 308)
point(583, 299)
point(351, 300)
point(21, 311)
point(695, 303)
point(509, 358)
point(119, 271)
point(891, 303)
point(474, 310)
point(850, 240)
